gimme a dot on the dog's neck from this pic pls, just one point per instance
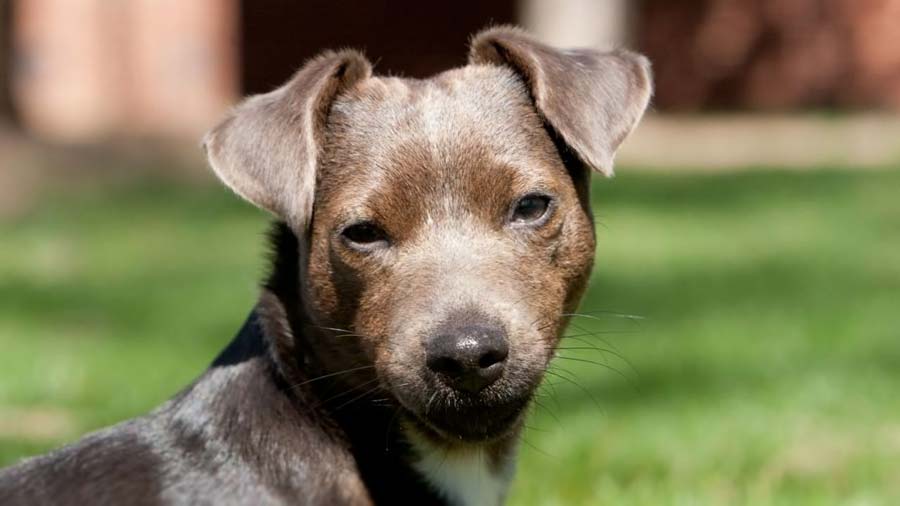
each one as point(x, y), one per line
point(397, 462)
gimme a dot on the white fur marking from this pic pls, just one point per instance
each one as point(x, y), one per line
point(465, 478)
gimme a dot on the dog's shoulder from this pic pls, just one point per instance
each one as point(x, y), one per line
point(100, 468)
point(231, 437)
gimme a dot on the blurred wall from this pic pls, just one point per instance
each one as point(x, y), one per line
point(773, 54)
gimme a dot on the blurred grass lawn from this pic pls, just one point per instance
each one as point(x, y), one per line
point(767, 370)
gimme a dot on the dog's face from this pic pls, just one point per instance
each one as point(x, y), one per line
point(450, 237)
point(442, 227)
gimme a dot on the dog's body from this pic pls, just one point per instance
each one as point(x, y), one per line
point(433, 237)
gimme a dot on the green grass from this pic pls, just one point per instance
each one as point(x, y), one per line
point(766, 370)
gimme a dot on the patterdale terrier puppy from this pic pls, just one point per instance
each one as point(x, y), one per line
point(432, 237)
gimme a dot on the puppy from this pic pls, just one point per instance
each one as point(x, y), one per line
point(432, 236)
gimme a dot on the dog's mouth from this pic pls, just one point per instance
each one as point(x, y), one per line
point(471, 419)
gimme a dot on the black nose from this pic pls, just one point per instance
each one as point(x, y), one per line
point(469, 357)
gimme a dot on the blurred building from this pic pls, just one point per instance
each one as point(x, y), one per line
point(89, 70)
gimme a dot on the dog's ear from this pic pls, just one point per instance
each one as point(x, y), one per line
point(592, 99)
point(266, 149)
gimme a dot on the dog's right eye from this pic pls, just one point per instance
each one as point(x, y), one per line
point(364, 236)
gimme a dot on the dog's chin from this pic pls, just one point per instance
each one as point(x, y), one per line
point(466, 420)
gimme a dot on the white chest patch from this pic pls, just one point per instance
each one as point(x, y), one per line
point(465, 478)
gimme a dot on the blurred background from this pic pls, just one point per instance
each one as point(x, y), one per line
point(741, 338)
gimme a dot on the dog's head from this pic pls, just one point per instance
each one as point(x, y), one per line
point(444, 223)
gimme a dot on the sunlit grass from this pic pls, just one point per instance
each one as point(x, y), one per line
point(766, 370)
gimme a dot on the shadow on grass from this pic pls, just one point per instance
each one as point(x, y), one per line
point(724, 324)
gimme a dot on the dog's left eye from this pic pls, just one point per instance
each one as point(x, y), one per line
point(364, 236)
point(531, 209)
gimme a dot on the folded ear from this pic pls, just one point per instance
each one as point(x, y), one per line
point(266, 149)
point(592, 99)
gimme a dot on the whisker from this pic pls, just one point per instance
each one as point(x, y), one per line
point(358, 397)
point(590, 333)
point(591, 314)
point(346, 332)
point(586, 331)
point(579, 385)
point(634, 318)
point(539, 318)
point(554, 397)
point(560, 369)
point(611, 350)
point(335, 329)
point(535, 448)
point(549, 411)
point(329, 375)
point(601, 364)
point(602, 351)
point(430, 400)
point(534, 428)
point(565, 348)
point(348, 391)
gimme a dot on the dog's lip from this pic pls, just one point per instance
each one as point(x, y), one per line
point(504, 412)
point(510, 414)
point(503, 427)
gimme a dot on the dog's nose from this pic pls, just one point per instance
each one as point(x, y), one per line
point(469, 357)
